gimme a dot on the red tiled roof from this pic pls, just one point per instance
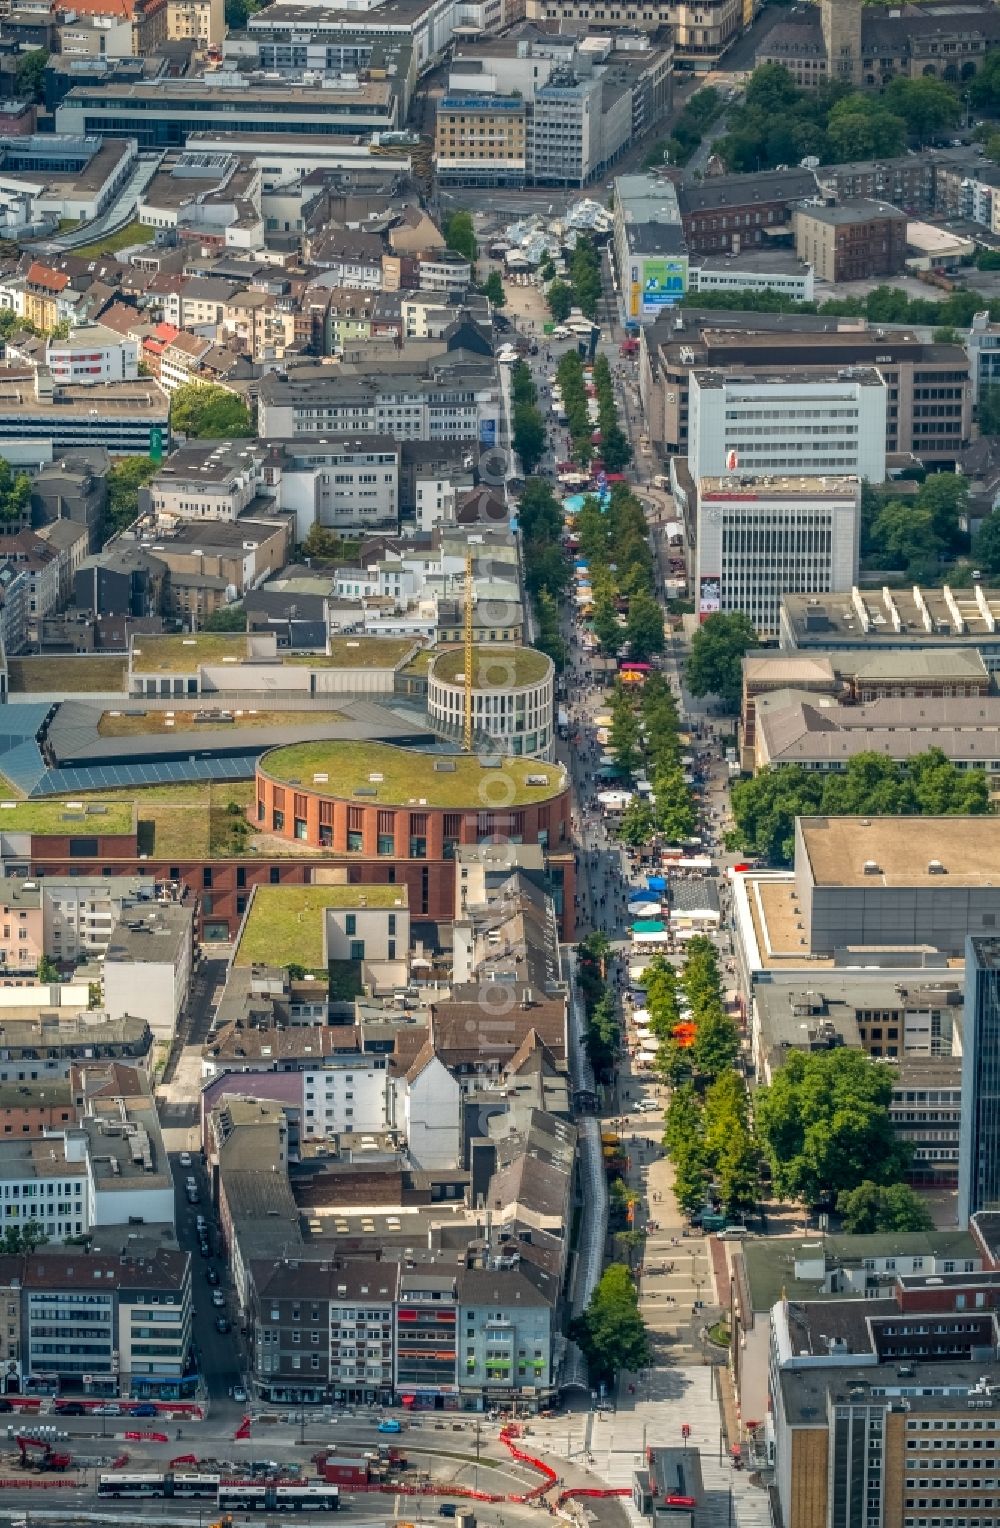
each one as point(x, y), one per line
point(44, 275)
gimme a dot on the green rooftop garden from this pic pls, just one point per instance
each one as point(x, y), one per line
point(494, 667)
point(67, 675)
point(284, 926)
point(407, 777)
point(72, 818)
point(356, 652)
point(184, 654)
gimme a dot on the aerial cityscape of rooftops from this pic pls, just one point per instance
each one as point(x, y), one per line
point(500, 763)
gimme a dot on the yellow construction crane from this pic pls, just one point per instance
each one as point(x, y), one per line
point(469, 656)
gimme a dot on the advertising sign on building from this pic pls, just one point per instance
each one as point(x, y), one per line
point(709, 596)
point(664, 282)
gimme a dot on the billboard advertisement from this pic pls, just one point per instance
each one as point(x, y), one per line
point(487, 432)
point(709, 595)
point(664, 281)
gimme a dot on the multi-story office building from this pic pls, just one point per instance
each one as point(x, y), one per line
point(928, 402)
point(701, 32)
point(982, 346)
point(427, 1338)
point(454, 400)
point(805, 423)
point(913, 1445)
point(162, 113)
point(113, 1323)
point(979, 1143)
point(480, 140)
point(760, 539)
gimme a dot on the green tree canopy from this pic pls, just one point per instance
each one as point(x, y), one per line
point(17, 1239)
point(824, 1124)
point(611, 1332)
point(644, 627)
point(126, 476)
point(766, 806)
point(29, 73)
point(209, 413)
point(560, 299)
point(926, 105)
point(227, 618)
point(529, 435)
point(459, 235)
point(714, 666)
point(875, 1207)
point(637, 823)
point(323, 544)
point(15, 496)
point(493, 288)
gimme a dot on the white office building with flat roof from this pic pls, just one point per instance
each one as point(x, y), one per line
point(760, 538)
point(801, 424)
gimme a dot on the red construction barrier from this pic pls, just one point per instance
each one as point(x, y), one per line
point(145, 1437)
point(243, 1431)
point(506, 1434)
point(43, 1485)
point(184, 1459)
point(120, 1462)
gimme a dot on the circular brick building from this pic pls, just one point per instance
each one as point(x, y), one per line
point(512, 697)
point(377, 801)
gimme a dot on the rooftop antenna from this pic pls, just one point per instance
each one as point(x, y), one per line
point(467, 731)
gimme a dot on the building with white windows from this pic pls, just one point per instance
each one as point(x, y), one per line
point(757, 424)
point(512, 690)
point(761, 538)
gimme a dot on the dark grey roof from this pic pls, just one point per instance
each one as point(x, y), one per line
point(74, 739)
point(744, 190)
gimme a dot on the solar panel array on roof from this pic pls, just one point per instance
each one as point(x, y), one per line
point(60, 782)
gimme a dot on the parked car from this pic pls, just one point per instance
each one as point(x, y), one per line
point(144, 1409)
point(211, 1276)
point(70, 1409)
point(447, 1509)
point(5, 1405)
point(201, 1224)
point(390, 1425)
point(190, 1182)
point(108, 1409)
point(218, 1298)
point(221, 1324)
point(204, 1249)
point(185, 1159)
point(238, 1393)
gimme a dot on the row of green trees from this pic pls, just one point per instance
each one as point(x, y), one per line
point(823, 1127)
point(614, 543)
point(699, 1041)
point(646, 731)
point(546, 570)
point(707, 1132)
point(616, 453)
point(583, 288)
point(527, 424)
point(913, 535)
point(702, 109)
point(884, 305)
point(603, 1033)
point(779, 123)
point(765, 807)
point(574, 395)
